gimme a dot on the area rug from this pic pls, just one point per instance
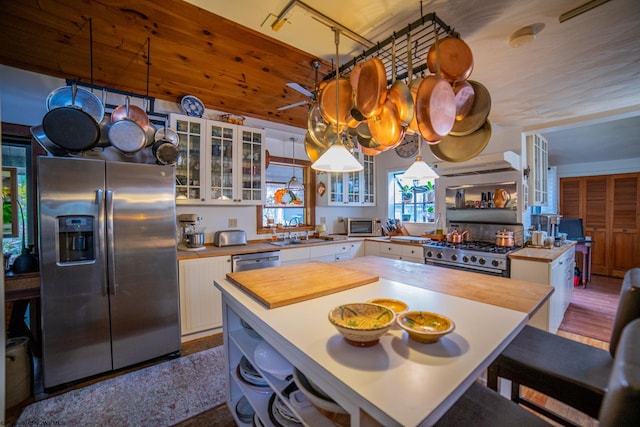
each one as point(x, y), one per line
point(155, 396)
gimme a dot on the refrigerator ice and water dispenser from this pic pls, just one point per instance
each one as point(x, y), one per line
point(75, 238)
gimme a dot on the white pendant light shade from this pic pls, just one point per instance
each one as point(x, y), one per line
point(337, 159)
point(419, 170)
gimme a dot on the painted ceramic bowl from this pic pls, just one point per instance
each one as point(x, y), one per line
point(396, 305)
point(361, 323)
point(425, 327)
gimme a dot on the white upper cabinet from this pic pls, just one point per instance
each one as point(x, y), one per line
point(220, 163)
point(351, 188)
point(538, 163)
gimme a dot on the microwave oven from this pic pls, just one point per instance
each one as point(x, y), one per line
point(363, 227)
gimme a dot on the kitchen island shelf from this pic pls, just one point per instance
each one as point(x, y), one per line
point(259, 400)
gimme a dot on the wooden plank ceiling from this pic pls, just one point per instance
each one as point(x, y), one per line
point(230, 68)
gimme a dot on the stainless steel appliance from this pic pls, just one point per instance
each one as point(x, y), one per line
point(363, 227)
point(192, 239)
point(253, 261)
point(230, 238)
point(479, 253)
point(109, 282)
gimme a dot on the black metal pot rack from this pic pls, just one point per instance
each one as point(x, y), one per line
point(422, 32)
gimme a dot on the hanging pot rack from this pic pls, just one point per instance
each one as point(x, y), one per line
point(147, 101)
point(422, 31)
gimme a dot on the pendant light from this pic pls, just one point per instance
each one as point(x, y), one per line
point(337, 158)
point(293, 183)
point(419, 169)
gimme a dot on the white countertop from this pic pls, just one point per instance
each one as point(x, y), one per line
point(398, 381)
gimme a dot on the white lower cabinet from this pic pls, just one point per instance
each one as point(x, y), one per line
point(559, 274)
point(294, 255)
point(411, 253)
point(200, 301)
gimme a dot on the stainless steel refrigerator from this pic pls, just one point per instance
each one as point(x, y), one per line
point(109, 281)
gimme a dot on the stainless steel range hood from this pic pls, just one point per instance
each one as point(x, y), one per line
point(488, 163)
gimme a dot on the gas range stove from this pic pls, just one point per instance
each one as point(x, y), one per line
point(482, 256)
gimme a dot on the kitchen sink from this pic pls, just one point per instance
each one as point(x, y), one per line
point(297, 242)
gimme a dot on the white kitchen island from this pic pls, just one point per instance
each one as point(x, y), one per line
point(397, 382)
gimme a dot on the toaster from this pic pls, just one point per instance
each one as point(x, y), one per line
point(230, 238)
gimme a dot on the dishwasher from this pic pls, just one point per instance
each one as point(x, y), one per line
point(253, 261)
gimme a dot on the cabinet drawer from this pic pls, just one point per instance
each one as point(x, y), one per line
point(412, 252)
point(387, 249)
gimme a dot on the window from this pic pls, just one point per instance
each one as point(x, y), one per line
point(412, 201)
point(16, 160)
point(285, 207)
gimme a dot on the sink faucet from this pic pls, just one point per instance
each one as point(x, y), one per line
point(290, 223)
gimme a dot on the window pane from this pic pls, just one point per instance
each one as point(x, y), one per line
point(15, 156)
point(413, 201)
point(283, 206)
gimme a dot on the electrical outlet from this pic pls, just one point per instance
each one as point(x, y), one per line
point(233, 222)
point(323, 220)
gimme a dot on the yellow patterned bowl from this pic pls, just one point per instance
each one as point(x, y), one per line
point(425, 327)
point(361, 323)
point(396, 305)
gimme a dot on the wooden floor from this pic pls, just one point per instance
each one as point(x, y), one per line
point(584, 319)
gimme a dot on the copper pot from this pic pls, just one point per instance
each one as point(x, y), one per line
point(132, 113)
point(386, 127)
point(456, 237)
point(456, 59)
point(327, 102)
point(435, 108)
point(371, 91)
point(464, 99)
point(412, 128)
point(505, 238)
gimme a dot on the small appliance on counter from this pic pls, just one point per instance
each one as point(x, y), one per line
point(192, 239)
point(230, 238)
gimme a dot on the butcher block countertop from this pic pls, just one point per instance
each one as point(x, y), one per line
point(542, 254)
point(508, 293)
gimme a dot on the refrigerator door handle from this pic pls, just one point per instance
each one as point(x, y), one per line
point(100, 201)
point(111, 253)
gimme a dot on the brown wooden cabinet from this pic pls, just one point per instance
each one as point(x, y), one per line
point(609, 206)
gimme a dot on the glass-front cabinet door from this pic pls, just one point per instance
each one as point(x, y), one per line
point(252, 171)
point(353, 188)
point(220, 163)
point(221, 137)
point(189, 173)
point(235, 163)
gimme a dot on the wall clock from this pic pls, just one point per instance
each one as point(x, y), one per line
point(409, 146)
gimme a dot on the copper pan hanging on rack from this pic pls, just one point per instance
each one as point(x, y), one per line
point(456, 59)
point(435, 108)
point(412, 128)
point(386, 127)
point(465, 95)
point(327, 102)
point(477, 115)
point(435, 103)
point(399, 92)
point(461, 148)
point(372, 87)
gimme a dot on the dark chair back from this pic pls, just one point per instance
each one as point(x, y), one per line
point(621, 404)
point(628, 306)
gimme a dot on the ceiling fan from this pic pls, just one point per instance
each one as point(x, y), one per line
point(315, 64)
